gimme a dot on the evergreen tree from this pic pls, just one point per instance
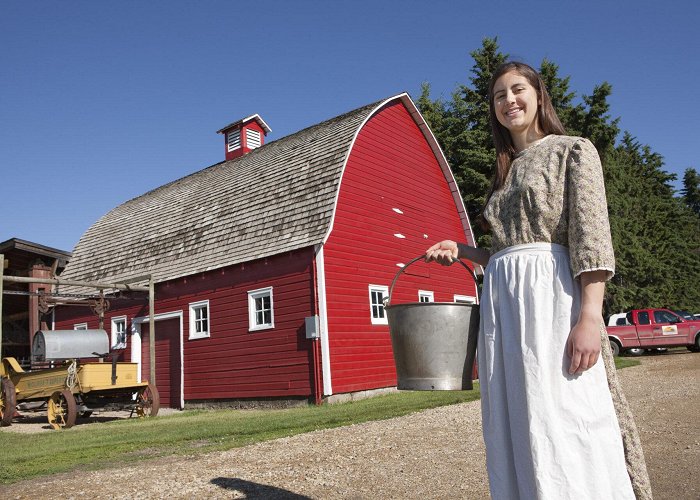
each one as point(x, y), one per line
point(464, 132)
point(656, 237)
point(593, 120)
point(562, 98)
point(691, 189)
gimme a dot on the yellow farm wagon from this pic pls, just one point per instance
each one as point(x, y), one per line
point(72, 388)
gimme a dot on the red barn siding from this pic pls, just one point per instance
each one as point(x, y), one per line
point(390, 166)
point(168, 367)
point(234, 363)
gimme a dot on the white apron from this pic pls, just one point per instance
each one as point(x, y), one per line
point(548, 435)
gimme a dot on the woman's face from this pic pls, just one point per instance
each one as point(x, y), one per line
point(515, 103)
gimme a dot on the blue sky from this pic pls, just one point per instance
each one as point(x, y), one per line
point(102, 101)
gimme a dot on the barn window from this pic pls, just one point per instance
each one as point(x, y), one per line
point(80, 326)
point(465, 299)
point(426, 296)
point(199, 320)
point(119, 332)
point(376, 304)
point(233, 140)
point(252, 138)
point(260, 312)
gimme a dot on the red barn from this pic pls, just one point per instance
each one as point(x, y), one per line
point(297, 238)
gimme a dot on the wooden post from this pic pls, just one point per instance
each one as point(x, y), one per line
point(152, 330)
point(2, 280)
point(39, 271)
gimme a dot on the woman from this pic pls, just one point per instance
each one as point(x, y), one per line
point(549, 420)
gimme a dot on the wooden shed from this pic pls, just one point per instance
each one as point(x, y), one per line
point(270, 267)
point(21, 312)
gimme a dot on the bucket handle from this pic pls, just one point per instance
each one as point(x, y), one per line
point(387, 301)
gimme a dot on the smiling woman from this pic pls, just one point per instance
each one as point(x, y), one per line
point(549, 418)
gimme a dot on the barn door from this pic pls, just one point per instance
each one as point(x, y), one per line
point(168, 365)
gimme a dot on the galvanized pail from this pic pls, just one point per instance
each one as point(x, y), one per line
point(434, 343)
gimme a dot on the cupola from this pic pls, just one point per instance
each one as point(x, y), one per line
point(243, 136)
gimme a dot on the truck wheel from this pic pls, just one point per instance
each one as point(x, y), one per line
point(696, 346)
point(614, 347)
point(634, 351)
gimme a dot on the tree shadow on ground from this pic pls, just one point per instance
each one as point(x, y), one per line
point(253, 490)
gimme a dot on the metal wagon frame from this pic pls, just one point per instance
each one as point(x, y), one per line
point(76, 389)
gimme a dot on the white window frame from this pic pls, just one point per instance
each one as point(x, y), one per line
point(465, 299)
point(426, 294)
point(253, 295)
point(194, 307)
point(115, 332)
point(80, 326)
point(377, 314)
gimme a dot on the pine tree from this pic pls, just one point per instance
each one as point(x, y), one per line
point(656, 236)
point(691, 189)
point(464, 132)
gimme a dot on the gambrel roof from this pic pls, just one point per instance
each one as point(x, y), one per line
point(277, 198)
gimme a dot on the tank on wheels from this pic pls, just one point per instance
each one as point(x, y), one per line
point(77, 380)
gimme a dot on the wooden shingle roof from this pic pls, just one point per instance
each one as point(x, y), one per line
point(277, 198)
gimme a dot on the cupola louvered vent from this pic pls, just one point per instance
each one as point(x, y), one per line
point(243, 136)
point(252, 138)
point(233, 140)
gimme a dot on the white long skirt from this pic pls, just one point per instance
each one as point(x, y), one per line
point(548, 435)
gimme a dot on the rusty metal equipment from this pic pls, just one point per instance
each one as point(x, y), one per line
point(74, 388)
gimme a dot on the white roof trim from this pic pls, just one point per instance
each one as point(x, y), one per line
point(255, 117)
point(437, 151)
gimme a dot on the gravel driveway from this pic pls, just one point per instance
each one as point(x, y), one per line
point(437, 453)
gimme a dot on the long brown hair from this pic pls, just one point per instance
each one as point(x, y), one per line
point(547, 119)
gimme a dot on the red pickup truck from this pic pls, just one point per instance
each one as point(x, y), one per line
point(653, 328)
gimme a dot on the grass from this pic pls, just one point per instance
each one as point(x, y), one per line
point(199, 431)
point(621, 362)
point(194, 432)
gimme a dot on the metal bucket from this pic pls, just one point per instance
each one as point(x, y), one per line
point(434, 343)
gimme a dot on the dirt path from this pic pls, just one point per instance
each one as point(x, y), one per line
point(437, 453)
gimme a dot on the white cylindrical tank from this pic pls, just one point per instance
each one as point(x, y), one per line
point(51, 345)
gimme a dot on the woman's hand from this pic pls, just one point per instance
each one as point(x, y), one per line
point(446, 252)
point(583, 344)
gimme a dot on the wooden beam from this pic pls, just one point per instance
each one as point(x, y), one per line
point(86, 284)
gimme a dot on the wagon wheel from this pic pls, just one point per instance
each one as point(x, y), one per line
point(8, 401)
point(148, 402)
point(62, 410)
